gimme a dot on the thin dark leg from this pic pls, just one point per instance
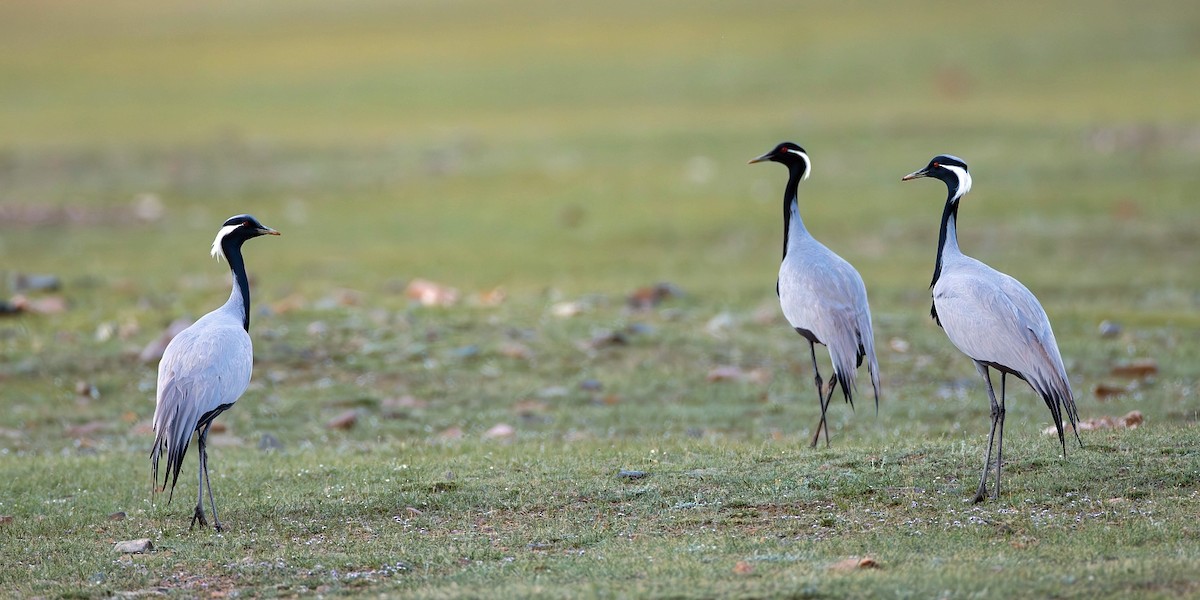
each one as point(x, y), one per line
point(825, 406)
point(198, 516)
point(208, 484)
point(812, 348)
point(999, 441)
point(987, 462)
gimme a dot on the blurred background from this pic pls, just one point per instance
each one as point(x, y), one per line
point(554, 144)
point(564, 150)
point(522, 253)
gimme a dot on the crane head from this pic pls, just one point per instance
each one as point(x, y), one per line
point(238, 229)
point(952, 170)
point(790, 155)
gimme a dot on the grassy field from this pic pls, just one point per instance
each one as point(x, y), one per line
point(568, 154)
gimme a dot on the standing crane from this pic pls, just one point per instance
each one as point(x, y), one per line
point(995, 320)
point(205, 369)
point(822, 296)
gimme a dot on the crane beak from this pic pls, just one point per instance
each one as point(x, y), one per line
point(915, 175)
point(268, 231)
point(762, 158)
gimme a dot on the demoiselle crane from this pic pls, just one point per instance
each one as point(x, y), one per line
point(822, 296)
point(205, 369)
point(995, 320)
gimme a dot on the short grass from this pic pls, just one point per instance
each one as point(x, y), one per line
point(573, 152)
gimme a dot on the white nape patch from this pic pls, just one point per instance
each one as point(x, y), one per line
point(807, 163)
point(964, 180)
point(217, 252)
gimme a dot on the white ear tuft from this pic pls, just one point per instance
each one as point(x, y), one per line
point(807, 163)
point(964, 180)
point(217, 252)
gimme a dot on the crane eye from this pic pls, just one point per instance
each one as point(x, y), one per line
point(936, 165)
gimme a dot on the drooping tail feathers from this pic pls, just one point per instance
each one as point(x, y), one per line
point(1058, 397)
point(173, 432)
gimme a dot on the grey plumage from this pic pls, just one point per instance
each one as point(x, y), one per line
point(822, 296)
point(995, 320)
point(205, 369)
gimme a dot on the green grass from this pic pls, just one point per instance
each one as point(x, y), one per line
point(574, 152)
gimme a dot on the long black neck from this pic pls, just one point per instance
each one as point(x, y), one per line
point(795, 174)
point(949, 219)
point(948, 234)
point(232, 248)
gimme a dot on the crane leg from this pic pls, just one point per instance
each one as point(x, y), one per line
point(981, 493)
point(812, 348)
point(825, 406)
point(1000, 439)
point(198, 516)
point(208, 484)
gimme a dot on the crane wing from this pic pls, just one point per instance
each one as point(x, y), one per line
point(204, 369)
point(822, 293)
point(993, 318)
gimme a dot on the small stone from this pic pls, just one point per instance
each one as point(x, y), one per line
point(269, 442)
point(565, 310)
point(853, 563)
point(648, 297)
point(591, 385)
point(1109, 329)
point(1132, 420)
point(133, 546)
point(47, 305)
point(117, 516)
point(868, 563)
point(429, 293)
point(345, 420)
point(500, 431)
point(627, 474)
point(84, 389)
point(604, 338)
point(9, 308)
point(31, 282)
point(1140, 368)
point(492, 297)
